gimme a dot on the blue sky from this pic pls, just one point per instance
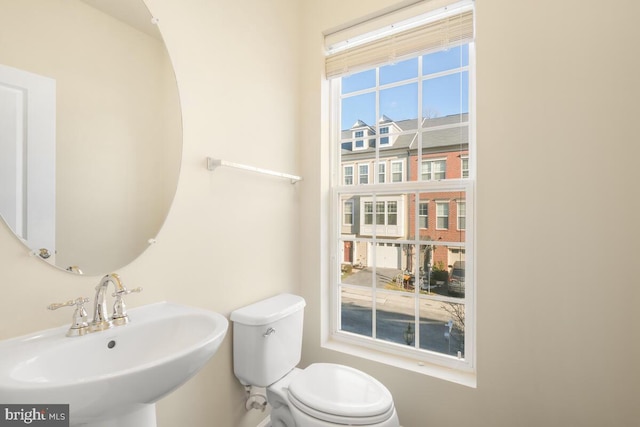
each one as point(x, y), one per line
point(441, 96)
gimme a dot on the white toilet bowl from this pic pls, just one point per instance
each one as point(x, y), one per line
point(325, 395)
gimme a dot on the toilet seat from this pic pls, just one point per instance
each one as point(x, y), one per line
point(340, 395)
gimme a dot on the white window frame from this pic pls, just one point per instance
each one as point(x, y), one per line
point(345, 175)
point(420, 215)
point(460, 371)
point(464, 171)
point(392, 173)
point(385, 138)
point(444, 204)
point(376, 220)
point(431, 173)
point(459, 216)
point(346, 212)
point(359, 138)
point(382, 172)
point(360, 174)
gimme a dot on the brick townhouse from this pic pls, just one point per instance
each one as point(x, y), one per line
point(439, 217)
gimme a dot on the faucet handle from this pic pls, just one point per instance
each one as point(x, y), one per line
point(80, 301)
point(119, 316)
point(79, 325)
point(126, 291)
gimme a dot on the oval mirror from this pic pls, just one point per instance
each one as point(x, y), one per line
point(90, 130)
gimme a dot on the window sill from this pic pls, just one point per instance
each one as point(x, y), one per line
point(467, 379)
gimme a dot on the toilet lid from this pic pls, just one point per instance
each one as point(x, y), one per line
point(336, 393)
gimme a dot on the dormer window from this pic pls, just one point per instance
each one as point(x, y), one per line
point(359, 143)
point(359, 133)
point(387, 130)
point(384, 140)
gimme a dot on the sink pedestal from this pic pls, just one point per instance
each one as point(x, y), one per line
point(144, 417)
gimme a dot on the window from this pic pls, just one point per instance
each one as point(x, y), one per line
point(442, 215)
point(363, 174)
point(423, 214)
point(347, 175)
point(348, 213)
point(359, 142)
point(400, 302)
point(382, 218)
point(382, 172)
point(368, 213)
point(392, 213)
point(396, 171)
point(464, 167)
point(462, 215)
point(433, 170)
point(384, 140)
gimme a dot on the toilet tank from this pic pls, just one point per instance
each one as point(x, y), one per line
point(267, 339)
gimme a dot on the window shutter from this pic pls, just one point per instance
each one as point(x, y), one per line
point(435, 34)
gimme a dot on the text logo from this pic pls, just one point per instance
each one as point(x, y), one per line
point(34, 415)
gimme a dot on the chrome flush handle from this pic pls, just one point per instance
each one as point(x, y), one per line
point(269, 332)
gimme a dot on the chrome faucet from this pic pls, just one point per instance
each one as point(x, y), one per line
point(101, 320)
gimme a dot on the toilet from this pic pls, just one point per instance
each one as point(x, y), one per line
point(267, 344)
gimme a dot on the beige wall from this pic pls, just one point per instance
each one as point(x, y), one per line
point(557, 303)
point(231, 236)
point(557, 143)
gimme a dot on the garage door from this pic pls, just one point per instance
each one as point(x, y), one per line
point(388, 256)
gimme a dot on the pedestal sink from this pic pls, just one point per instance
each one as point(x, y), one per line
point(113, 377)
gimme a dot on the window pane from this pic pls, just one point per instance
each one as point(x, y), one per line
point(398, 72)
point(347, 175)
point(457, 271)
point(368, 213)
point(392, 213)
point(397, 174)
point(358, 108)
point(442, 215)
point(433, 276)
point(462, 215)
point(382, 172)
point(442, 327)
point(423, 215)
point(356, 311)
point(380, 213)
point(395, 320)
point(400, 102)
point(347, 215)
point(354, 253)
point(455, 57)
point(446, 95)
point(363, 174)
point(359, 81)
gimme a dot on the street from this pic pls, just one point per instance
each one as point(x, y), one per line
point(395, 312)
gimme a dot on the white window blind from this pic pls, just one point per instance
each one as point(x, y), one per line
point(440, 29)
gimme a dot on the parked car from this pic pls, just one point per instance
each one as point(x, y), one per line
point(455, 286)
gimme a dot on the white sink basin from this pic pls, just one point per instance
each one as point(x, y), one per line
point(115, 376)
